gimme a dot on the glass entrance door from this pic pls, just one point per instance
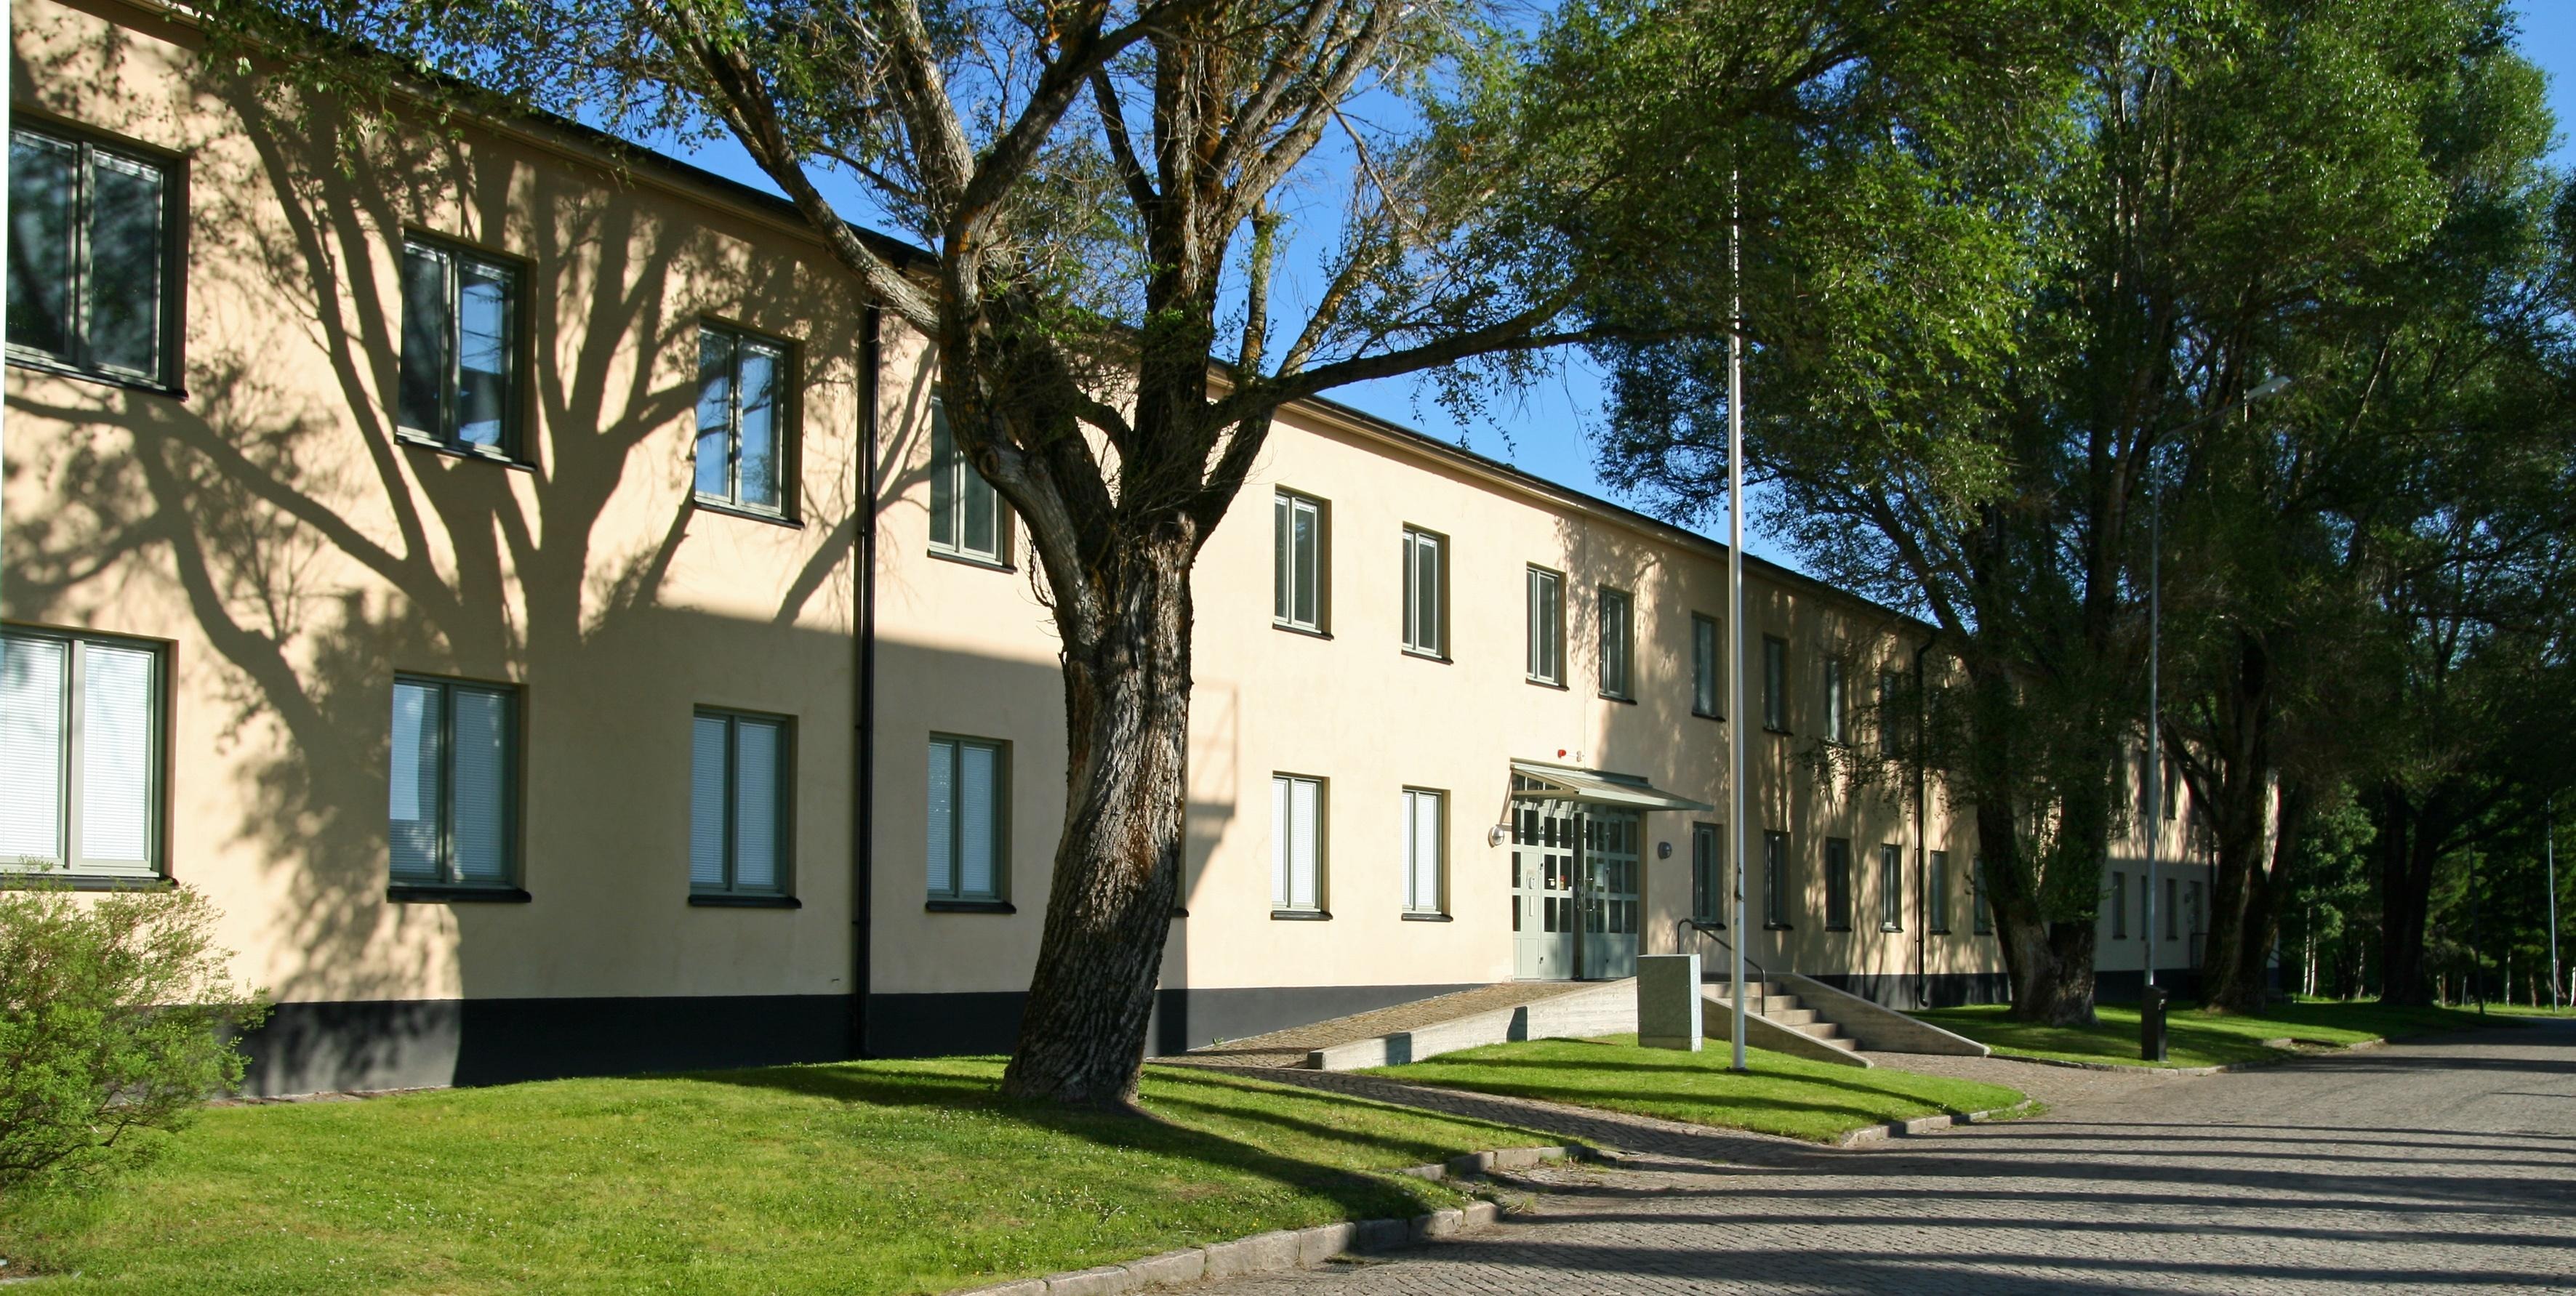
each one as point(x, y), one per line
point(1543, 909)
point(1609, 892)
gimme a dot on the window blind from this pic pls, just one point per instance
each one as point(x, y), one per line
point(482, 355)
point(414, 778)
point(977, 804)
point(116, 758)
point(757, 768)
point(32, 745)
point(943, 817)
point(1422, 851)
point(707, 801)
point(1295, 820)
point(480, 837)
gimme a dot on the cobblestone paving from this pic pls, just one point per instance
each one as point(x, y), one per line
point(2444, 1166)
point(1288, 1048)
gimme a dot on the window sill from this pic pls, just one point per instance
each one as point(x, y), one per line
point(28, 879)
point(1300, 915)
point(1938, 931)
point(424, 893)
point(1775, 729)
point(1308, 631)
point(476, 454)
point(59, 369)
point(716, 901)
point(970, 906)
point(1419, 655)
point(1838, 927)
point(1411, 916)
point(1772, 926)
point(963, 559)
point(1890, 928)
point(1544, 682)
point(704, 505)
point(1708, 715)
point(1620, 698)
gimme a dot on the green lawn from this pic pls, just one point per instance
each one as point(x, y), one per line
point(1781, 1095)
point(860, 1177)
point(2195, 1038)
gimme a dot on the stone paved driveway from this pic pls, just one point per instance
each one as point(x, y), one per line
point(2433, 1167)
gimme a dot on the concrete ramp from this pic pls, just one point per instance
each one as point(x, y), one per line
point(1779, 1019)
point(1875, 1026)
point(1599, 1008)
point(1293, 1046)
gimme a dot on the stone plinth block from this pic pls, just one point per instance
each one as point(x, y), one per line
point(1668, 1001)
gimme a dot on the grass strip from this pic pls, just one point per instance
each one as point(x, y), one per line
point(1816, 1101)
point(871, 1177)
point(2193, 1037)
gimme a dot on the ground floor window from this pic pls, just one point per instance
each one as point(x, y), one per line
point(1424, 857)
point(968, 777)
point(1296, 844)
point(1936, 892)
point(739, 797)
point(1775, 880)
point(1891, 887)
point(453, 810)
point(1837, 884)
point(2119, 906)
point(80, 753)
point(1708, 875)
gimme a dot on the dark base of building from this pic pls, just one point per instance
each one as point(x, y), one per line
point(937, 1025)
point(403, 1044)
point(1939, 990)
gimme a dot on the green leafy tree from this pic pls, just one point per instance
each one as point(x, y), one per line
point(118, 1017)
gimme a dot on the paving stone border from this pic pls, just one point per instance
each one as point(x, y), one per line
point(2253, 1064)
point(1304, 1248)
point(1927, 1124)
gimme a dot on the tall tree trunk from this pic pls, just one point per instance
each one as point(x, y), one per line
point(2405, 898)
point(2267, 899)
point(1118, 864)
point(2049, 963)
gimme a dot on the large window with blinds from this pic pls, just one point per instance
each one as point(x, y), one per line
point(93, 257)
point(1426, 855)
point(966, 517)
point(743, 424)
point(741, 772)
point(459, 384)
point(969, 829)
point(80, 754)
point(1296, 846)
point(1426, 593)
point(453, 776)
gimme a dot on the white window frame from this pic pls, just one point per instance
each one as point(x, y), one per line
point(1544, 625)
point(1426, 896)
point(169, 280)
point(514, 415)
point(1284, 840)
point(1618, 642)
point(782, 413)
point(950, 472)
point(1287, 581)
point(513, 764)
point(785, 810)
point(956, 892)
point(71, 720)
point(1426, 611)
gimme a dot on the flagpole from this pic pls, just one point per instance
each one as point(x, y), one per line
point(1736, 800)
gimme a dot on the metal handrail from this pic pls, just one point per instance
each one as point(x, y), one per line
point(1709, 931)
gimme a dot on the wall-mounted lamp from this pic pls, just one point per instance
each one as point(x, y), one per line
point(1494, 835)
point(1663, 850)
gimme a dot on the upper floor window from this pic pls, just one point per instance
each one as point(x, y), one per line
point(80, 754)
point(93, 261)
point(1704, 668)
point(966, 519)
point(1297, 576)
point(454, 784)
point(1618, 643)
point(460, 349)
point(1775, 684)
point(1835, 730)
point(969, 778)
point(739, 803)
point(1891, 726)
point(1426, 593)
point(742, 429)
point(1546, 626)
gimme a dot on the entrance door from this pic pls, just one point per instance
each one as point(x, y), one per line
point(1610, 872)
point(1543, 913)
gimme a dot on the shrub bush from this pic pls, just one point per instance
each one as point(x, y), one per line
point(118, 1018)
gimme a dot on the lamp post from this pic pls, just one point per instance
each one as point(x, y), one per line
point(2549, 852)
point(2264, 390)
point(1736, 800)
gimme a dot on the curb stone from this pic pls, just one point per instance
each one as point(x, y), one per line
point(1929, 1124)
point(1291, 1249)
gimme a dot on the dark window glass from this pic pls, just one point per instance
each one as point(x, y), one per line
point(1937, 892)
point(1775, 879)
point(1708, 875)
point(1837, 884)
point(89, 256)
point(458, 384)
point(1891, 887)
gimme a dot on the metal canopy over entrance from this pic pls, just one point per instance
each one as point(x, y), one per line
point(1578, 869)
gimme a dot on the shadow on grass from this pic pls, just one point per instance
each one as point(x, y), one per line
point(972, 1084)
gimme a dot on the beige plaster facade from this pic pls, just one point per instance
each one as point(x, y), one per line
point(289, 554)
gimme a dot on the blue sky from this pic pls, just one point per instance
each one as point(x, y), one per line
point(1544, 430)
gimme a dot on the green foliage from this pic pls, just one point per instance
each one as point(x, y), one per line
point(117, 1016)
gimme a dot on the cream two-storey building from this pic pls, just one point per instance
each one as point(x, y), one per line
point(522, 582)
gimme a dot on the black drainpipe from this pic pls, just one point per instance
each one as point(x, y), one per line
point(1922, 840)
point(863, 797)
